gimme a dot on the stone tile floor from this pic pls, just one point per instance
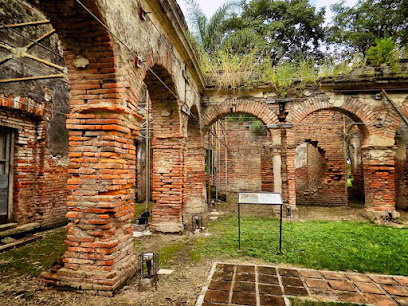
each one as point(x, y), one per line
point(231, 284)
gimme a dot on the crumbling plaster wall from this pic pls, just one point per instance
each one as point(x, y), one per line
point(401, 170)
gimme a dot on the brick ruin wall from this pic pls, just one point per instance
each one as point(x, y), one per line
point(41, 138)
point(320, 161)
point(248, 167)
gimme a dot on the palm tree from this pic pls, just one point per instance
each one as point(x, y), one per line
point(208, 32)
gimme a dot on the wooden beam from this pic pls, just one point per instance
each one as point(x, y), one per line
point(40, 39)
point(41, 77)
point(6, 47)
point(19, 25)
point(60, 68)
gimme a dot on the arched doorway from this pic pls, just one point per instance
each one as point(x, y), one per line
point(168, 146)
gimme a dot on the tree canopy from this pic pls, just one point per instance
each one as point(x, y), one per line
point(361, 26)
point(282, 29)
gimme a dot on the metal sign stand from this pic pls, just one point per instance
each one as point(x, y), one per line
point(252, 194)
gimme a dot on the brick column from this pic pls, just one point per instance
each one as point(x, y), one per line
point(100, 253)
point(287, 150)
point(379, 181)
point(168, 184)
point(267, 178)
point(290, 162)
point(277, 169)
point(195, 175)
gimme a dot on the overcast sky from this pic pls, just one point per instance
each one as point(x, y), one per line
point(209, 6)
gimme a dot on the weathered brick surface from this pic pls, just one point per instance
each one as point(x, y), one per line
point(320, 175)
point(248, 167)
point(39, 187)
point(103, 125)
point(195, 192)
point(379, 165)
point(379, 183)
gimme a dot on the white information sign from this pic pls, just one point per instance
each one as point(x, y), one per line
point(260, 198)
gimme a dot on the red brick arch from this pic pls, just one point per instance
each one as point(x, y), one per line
point(257, 109)
point(352, 107)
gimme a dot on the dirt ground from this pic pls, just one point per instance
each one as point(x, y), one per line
point(181, 287)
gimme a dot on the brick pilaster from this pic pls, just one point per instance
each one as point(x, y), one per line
point(168, 184)
point(379, 181)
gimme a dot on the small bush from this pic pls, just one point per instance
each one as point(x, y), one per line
point(258, 128)
point(384, 52)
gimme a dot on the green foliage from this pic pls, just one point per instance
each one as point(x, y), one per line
point(277, 42)
point(359, 27)
point(384, 52)
point(208, 32)
point(227, 69)
point(337, 246)
point(258, 128)
point(331, 67)
point(281, 29)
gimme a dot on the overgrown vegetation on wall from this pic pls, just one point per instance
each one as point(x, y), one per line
point(281, 42)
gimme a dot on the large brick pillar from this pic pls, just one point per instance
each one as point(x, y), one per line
point(195, 193)
point(100, 253)
point(168, 184)
point(379, 181)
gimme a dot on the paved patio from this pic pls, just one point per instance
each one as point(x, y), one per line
point(230, 284)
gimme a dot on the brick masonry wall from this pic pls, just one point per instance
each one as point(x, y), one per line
point(41, 137)
point(401, 167)
point(379, 174)
point(245, 156)
point(267, 170)
point(321, 180)
point(39, 187)
point(195, 193)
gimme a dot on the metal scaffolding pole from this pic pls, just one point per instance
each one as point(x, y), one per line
point(209, 169)
point(217, 160)
point(226, 168)
point(147, 151)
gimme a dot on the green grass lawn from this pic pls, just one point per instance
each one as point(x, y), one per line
point(35, 257)
point(338, 246)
